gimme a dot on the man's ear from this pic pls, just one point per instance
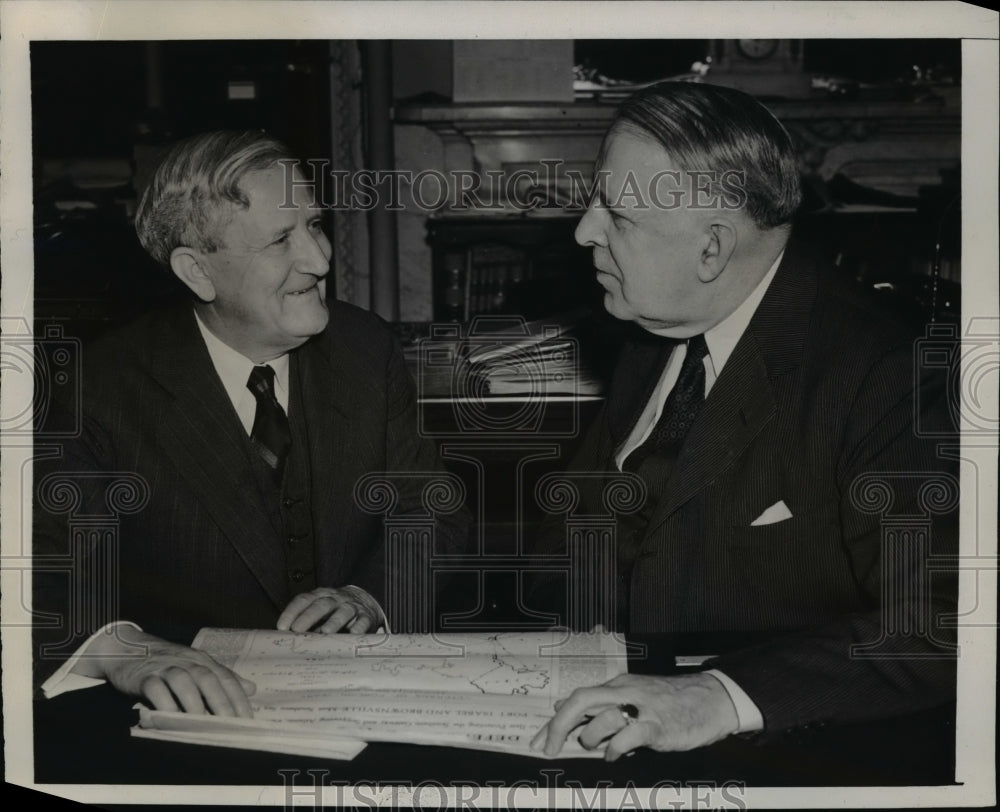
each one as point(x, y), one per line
point(187, 264)
point(720, 245)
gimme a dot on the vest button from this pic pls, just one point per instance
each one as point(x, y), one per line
point(298, 575)
point(288, 502)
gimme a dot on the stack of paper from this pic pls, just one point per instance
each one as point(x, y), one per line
point(533, 359)
point(550, 367)
point(503, 356)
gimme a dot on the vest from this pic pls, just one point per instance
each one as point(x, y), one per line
point(290, 505)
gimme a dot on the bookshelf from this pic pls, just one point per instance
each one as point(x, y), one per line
point(514, 265)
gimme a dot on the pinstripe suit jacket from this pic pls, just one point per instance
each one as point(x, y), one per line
point(206, 550)
point(818, 392)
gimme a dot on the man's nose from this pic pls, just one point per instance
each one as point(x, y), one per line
point(314, 255)
point(590, 229)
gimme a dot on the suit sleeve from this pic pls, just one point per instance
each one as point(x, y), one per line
point(898, 514)
point(546, 589)
point(73, 568)
point(412, 462)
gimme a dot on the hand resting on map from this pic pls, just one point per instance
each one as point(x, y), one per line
point(674, 713)
point(326, 610)
point(167, 676)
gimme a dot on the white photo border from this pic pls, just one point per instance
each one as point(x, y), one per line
point(30, 20)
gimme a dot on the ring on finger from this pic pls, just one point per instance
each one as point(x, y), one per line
point(629, 712)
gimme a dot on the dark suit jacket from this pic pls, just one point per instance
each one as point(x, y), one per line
point(818, 392)
point(206, 550)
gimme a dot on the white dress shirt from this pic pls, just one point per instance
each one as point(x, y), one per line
point(234, 371)
point(721, 341)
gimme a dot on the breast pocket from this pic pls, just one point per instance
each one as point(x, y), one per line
point(803, 526)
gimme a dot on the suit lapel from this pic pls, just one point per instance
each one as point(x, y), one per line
point(742, 400)
point(204, 438)
point(635, 383)
point(318, 371)
point(740, 404)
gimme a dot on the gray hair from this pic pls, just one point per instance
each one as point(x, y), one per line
point(707, 127)
point(183, 202)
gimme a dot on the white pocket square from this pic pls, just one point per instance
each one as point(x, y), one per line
point(778, 512)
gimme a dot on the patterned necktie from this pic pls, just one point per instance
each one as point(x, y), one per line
point(654, 460)
point(270, 436)
point(679, 411)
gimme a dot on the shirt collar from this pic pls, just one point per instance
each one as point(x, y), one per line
point(723, 338)
point(234, 368)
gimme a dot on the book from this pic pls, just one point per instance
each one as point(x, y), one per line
point(479, 691)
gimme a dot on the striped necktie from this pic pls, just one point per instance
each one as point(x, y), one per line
point(270, 436)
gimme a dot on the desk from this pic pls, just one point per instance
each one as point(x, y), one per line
point(83, 738)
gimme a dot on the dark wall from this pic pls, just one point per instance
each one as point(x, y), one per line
point(102, 111)
point(93, 99)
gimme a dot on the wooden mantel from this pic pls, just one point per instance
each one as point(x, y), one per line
point(888, 145)
point(582, 114)
point(895, 146)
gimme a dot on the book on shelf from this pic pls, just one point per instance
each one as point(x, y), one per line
point(330, 694)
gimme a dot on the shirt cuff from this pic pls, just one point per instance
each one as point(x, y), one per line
point(747, 713)
point(63, 680)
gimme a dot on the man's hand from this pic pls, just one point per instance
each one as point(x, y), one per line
point(675, 713)
point(166, 675)
point(327, 610)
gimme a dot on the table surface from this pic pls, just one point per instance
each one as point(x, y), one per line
point(83, 738)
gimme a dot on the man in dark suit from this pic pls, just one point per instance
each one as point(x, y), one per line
point(765, 408)
point(242, 423)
